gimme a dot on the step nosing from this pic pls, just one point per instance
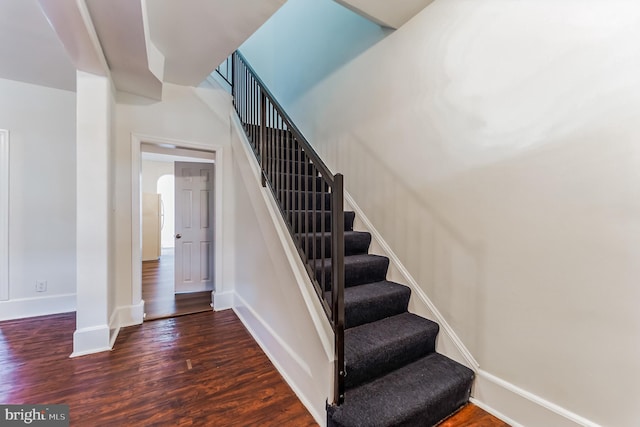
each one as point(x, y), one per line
point(414, 390)
point(370, 297)
point(409, 370)
point(428, 360)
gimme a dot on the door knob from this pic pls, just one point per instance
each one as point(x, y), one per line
point(178, 236)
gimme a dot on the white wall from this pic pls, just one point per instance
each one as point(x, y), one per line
point(494, 146)
point(199, 116)
point(4, 215)
point(42, 219)
point(152, 171)
point(327, 39)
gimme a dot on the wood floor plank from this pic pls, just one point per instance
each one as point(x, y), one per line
point(160, 300)
point(146, 379)
point(472, 416)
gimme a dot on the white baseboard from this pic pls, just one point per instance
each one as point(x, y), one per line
point(114, 328)
point(41, 306)
point(130, 315)
point(519, 407)
point(449, 343)
point(196, 287)
point(223, 300)
point(124, 316)
point(282, 355)
point(91, 340)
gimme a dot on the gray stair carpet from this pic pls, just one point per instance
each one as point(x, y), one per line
point(394, 376)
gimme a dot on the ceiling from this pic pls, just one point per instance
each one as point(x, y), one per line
point(391, 14)
point(195, 36)
point(145, 43)
point(29, 48)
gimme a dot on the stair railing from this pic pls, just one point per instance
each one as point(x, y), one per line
point(309, 196)
point(224, 70)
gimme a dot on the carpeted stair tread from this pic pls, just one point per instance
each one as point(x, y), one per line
point(419, 394)
point(364, 268)
point(373, 349)
point(374, 301)
point(355, 243)
point(358, 269)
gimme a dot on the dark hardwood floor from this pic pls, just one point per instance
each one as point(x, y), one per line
point(199, 370)
point(158, 291)
point(203, 369)
point(472, 416)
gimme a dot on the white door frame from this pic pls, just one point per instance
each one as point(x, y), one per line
point(4, 215)
point(136, 207)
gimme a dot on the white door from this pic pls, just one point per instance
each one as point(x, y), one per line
point(193, 226)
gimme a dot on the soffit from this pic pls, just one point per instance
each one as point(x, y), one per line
point(30, 50)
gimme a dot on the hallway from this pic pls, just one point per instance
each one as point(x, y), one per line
point(160, 301)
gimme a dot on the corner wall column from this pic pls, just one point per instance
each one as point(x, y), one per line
point(94, 115)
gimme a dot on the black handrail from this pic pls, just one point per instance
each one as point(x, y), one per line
point(309, 196)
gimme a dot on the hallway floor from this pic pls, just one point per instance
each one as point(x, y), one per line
point(199, 370)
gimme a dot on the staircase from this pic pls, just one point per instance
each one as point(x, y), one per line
point(391, 374)
point(394, 377)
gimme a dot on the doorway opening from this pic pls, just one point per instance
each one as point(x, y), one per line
point(154, 282)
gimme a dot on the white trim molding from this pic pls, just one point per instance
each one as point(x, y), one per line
point(297, 374)
point(40, 306)
point(519, 407)
point(90, 340)
point(223, 300)
point(130, 315)
point(136, 208)
point(114, 328)
point(4, 215)
point(122, 317)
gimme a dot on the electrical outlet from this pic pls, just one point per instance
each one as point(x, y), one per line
point(41, 286)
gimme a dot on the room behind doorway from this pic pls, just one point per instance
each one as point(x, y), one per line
point(158, 265)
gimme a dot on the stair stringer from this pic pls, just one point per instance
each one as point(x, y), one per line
point(448, 342)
